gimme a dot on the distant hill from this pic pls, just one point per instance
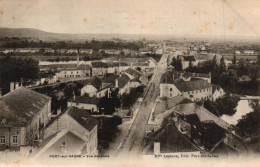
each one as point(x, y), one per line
point(22, 32)
point(49, 36)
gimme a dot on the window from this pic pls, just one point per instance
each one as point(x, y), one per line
point(15, 139)
point(64, 75)
point(65, 72)
point(2, 140)
point(63, 143)
point(170, 89)
point(71, 72)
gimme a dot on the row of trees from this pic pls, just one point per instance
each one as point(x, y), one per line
point(227, 77)
point(17, 69)
point(94, 44)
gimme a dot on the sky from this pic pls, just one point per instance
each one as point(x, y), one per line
point(175, 17)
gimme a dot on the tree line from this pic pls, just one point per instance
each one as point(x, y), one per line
point(227, 77)
point(17, 70)
point(93, 44)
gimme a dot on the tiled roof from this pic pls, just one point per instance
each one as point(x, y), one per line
point(23, 104)
point(170, 103)
point(84, 67)
point(172, 140)
point(8, 118)
point(97, 64)
point(82, 117)
point(202, 75)
point(186, 109)
point(123, 80)
point(202, 113)
point(59, 66)
point(133, 60)
point(134, 73)
point(170, 76)
point(109, 78)
point(85, 100)
point(116, 64)
point(94, 81)
point(192, 85)
point(140, 64)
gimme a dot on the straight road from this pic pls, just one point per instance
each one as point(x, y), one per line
point(132, 144)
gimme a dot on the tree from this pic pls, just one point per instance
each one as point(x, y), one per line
point(138, 69)
point(253, 72)
point(14, 69)
point(109, 102)
point(234, 60)
point(176, 63)
point(72, 89)
point(228, 80)
point(222, 66)
point(242, 68)
point(249, 124)
point(122, 53)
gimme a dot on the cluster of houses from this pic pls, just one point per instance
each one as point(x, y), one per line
point(142, 51)
point(179, 94)
point(98, 68)
point(95, 88)
point(194, 86)
point(204, 131)
point(28, 125)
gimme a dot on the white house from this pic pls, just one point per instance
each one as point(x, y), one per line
point(137, 75)
point(249, 52)
point(23, 115)
point(84, 102)
point(82, 70)
point(123, 84)
point(186, 60)
point(81, 124)
point(195, 89)
point(92, 87)
point(217, 92)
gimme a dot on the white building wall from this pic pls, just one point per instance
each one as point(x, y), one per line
point(198, 95)
point(66, 122)
point(70, 74)
point(92, 107)
point(90, 90)
point(168, 90)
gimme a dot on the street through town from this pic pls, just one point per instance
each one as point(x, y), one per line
point(132, 143)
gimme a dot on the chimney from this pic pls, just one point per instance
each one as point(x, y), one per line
point(63, 148)
point(78, 59)
point(116, 83)
point(11, 86)
point(21, 81)
point(16, 85)
point(156, 148)
point(58, 111)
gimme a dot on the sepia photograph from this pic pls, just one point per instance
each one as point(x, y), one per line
point(129, 83)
